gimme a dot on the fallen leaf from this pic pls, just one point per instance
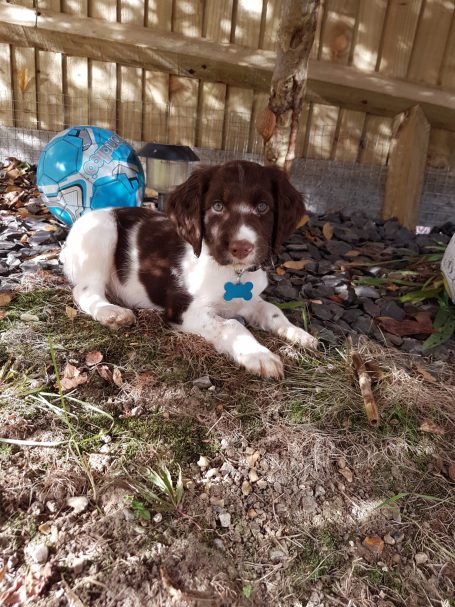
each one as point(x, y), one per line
point(105, 373)
point(5, 298)
point(2, 315)
point(296, 265)
point(336, 299)
point(347, 474)
point(426, 374)
point(72, 377)
point(353, 253)
point(327, 230)
point(392, 287)
point(28, 317)
point(429, 426)
point(405, 327)
point(27, 586)
point(374, 543)
point(305, 219)
point(93, 358)
point(70, 312)
point(280, 271)
point(117, 377)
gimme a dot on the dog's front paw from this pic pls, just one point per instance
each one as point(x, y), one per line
point(264, 364)
point(114, 317)
point(296, 335)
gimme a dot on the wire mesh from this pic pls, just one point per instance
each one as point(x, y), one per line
point(30, 121)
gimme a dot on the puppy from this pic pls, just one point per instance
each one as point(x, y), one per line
point(200, 264)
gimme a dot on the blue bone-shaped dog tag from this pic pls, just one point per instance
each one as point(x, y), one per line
point(239, 290)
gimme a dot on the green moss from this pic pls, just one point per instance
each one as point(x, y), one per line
point(183, 437)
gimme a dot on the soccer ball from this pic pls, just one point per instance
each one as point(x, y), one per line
point(86, 168)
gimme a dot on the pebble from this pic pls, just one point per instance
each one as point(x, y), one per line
point(212, 473)
point(78, 503)
point(203, 383)
point(225, 519)
point(253, 476)
point(388, 539)
point(203, 462)
point(246, 488)
point(38, 553)
point(277, 555)
point(421, 558)
point(158, 517)
point(262, 484)
point(78, 565)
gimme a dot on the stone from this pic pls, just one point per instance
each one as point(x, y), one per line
point(371, 308)
point(389, 307)
point(276, 555)
point(363, 324)
point(321, 311)
point(337, 247)
point(78, 503)
point(388, 539)
point(421, 558)
point(203, 383)
point(203, 462)
point(225, 519)
point(346, 293)
point(287, 291)
point(246, 488)
point(38, 553)
point(366, 291)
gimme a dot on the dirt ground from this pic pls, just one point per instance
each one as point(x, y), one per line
point(288, 497)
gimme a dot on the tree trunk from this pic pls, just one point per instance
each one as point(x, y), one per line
point(279, 122)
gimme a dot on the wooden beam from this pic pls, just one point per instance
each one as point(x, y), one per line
point(216, 62)
point(406, 168)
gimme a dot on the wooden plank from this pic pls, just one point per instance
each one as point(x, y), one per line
point(24, 87)
point(430, 41)
point(131, 80)
point(75, 75)
point(399, 33)
point(50, 93)
point(322, 131)
point(239, 105)
point(349, 135)
point(216, 27)
point(103, 74)
point(371, 132)
point(375, 140)
point(156, 84)
point(6, 89)
point(406, 170)
point(183, 92)
point(441, 150)
point(371, 17)
point(142, 47)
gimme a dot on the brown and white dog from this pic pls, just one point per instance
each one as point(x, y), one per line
point(222, 224)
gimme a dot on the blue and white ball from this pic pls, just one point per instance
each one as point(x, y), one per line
point(86, 168)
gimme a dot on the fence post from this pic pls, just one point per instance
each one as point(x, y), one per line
point(406, 167)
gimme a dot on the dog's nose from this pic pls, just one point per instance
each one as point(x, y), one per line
point(240, 248)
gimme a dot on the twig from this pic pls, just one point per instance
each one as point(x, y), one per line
point(365, 388)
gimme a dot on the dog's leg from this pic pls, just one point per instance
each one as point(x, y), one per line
point(231, 338)
point(266, 316)
point(88, 263)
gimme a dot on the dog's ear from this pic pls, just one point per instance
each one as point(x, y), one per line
point(185, 208)
point(289, 208)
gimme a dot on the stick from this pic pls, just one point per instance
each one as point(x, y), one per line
point(365, 388)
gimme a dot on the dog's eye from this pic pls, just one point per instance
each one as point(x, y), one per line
point(262, 207)
point(218, 206)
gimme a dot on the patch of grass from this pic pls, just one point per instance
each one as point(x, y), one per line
point(248, 414)
point(183, 437)
point(5, 451)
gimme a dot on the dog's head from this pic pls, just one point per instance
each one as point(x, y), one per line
point(241, 210)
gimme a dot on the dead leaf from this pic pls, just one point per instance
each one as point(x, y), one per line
point(426, 374)
point(296, 265)
point(27, 587)
point(105, 373)
point(392, 287)
point(117, 377)
point(72, 377)
point(305, 219)
point(352, 253)
point(5, 298)
point(336, 299)
point(2, 315)
point(431, 427)
point(93, 358)
point(374, 543)
point(265, 123)
point(70, 312)
point(280, 271)
point(374, 370)
point(406, 327)
point(327, 230)
point(347, 474)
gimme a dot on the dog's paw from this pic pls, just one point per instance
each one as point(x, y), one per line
point(296, 335)
point(264, 364)
point(115, 317)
